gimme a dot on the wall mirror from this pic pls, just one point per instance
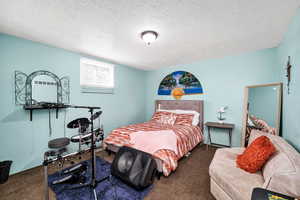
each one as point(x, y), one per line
point(262, 109)
point(41, 86)
point(43, 83)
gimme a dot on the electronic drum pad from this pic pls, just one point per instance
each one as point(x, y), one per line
point(82, 123)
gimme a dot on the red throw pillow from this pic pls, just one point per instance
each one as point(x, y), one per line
point(256, 154)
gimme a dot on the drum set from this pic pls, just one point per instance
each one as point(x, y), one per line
point(58, 147)
point(84, 136)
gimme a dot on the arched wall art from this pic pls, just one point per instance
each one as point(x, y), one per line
point(180, 83)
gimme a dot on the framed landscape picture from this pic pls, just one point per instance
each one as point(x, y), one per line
point(181, 83)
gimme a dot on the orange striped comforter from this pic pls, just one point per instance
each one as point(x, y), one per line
point(187, 138)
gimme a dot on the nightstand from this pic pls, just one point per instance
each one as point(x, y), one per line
point(225, 126)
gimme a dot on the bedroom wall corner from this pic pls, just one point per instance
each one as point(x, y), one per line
point(290, 46)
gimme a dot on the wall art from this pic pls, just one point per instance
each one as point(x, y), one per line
point(180, 83)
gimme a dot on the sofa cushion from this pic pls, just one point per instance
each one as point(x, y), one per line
point(282, 171)
point(217, 191)
point(256, 155)
point(237, 183)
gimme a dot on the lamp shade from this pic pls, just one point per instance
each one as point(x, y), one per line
point(149, 36)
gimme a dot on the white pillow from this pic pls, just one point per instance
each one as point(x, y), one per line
point(195, 113)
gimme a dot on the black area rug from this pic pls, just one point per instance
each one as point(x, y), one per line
point(111, 189)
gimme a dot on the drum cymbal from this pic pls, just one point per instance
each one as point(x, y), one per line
point(80, 122)
point(96, 115)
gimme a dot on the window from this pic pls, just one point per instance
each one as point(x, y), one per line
point(96, 76)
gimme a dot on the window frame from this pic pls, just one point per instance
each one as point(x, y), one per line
point(94, 87)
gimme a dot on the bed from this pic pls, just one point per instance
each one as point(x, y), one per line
point(188, 136)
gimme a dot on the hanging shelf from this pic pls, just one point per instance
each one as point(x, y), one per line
point(41, 90)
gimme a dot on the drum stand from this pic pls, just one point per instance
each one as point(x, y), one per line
point(48, 161)
point(93, 184)
point(94, 181)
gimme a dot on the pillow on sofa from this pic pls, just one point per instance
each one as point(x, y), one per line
point(282, 171)
point(256, 155)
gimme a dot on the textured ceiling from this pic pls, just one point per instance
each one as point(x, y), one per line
point(189, 30)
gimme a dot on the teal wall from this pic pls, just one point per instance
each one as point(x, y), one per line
point(223, 81)
point(23, 141)
point(290, 46)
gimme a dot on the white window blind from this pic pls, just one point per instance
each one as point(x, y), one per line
point(96, 76)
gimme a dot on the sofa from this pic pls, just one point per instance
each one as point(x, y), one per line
point(281, 173)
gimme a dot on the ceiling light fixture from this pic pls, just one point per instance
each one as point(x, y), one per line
point(149, 36)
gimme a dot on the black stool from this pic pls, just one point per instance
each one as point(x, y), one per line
point(57, 148)
point(58, 143)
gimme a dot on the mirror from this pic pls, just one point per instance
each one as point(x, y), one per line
point(41, 87)
point(262, 110)
point(44, 89)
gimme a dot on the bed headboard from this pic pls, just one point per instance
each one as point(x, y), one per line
point(196, 105)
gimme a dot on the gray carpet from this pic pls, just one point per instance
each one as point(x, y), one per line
point(189, 181)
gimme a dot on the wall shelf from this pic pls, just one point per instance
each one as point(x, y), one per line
point(44, 107)
point(41, 90)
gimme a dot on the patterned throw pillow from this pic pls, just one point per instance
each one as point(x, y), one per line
point(256, 155)
point(184, 119)
point(272, 130)
point(157, 115)
point(263, 125)
point(167, 119)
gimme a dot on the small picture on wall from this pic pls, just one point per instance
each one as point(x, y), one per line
point(180, 83)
